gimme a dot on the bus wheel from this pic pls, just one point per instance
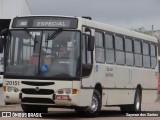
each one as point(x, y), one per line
point(136, 107)
point(96, 104)
point(34, 108)
point(80, 110)
point(137, 101)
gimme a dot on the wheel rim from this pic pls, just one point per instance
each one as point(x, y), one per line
point(94, 105)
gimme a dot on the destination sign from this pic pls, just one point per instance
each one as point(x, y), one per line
point(44, 22)
point(22, 22)
point(51, 23)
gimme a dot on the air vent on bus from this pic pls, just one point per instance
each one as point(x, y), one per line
point(87, 17)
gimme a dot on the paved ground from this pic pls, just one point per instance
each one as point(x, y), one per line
point(111, 113)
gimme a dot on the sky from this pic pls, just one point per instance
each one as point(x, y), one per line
point(123, 13)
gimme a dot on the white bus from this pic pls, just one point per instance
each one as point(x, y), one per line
point(103, 65)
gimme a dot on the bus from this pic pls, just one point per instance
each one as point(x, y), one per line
point(103, 65)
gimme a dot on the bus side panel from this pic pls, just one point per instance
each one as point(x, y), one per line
point(108, 81)
point(120, 97)
point(85, 97)
point(141, 77)
point(123, 90)
point(154, 79)
point(148, 80)
point(122, 77)
point(149, 96)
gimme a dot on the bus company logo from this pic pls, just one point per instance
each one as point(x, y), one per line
point(6, 114)
point(37, 89)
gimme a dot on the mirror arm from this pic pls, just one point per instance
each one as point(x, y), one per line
point(88, 30)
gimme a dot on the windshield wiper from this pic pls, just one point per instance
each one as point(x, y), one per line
point(53, 35)
point(31, 36)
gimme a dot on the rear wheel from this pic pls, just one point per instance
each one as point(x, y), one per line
point(136, 107)
point(34, 108)
point(137, 101)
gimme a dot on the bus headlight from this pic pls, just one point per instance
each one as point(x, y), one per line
point(10, 89)
point(67, 91)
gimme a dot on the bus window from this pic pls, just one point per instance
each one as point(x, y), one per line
point(99, 53)
point(129, 52)
point(119, 50)
point(153, 55)
point(146, 56)
point(138, 53)
point(109, 46)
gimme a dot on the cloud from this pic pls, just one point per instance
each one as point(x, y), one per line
point(124, 13)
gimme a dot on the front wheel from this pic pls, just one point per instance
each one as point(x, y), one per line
point(95, 107)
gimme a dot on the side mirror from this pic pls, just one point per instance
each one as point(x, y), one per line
point(88, 30)
point(1, 44)
point(91, 39)
point(3, 34)
point(91, 42)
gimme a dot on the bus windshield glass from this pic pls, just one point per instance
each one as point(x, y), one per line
point(36, 54)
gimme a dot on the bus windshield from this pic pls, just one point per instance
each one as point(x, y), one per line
point(34, 53)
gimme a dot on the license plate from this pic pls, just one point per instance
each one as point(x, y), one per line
point(62, 97)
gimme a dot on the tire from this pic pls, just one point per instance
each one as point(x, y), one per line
point(137, 101)
point(34, 108)
point(136, 107)
point(94, 109)
point(80, 110)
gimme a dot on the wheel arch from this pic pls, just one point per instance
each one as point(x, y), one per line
point(139, 87)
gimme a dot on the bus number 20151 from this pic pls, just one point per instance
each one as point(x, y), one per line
point(12, 82)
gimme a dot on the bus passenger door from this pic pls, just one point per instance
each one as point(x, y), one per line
point(87, 83)
point(87, 63)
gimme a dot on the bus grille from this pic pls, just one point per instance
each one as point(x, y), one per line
point(37, 92)
point(37, 83)
point(37, 100)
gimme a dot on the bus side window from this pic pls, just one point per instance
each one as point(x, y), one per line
point(99, 45)
point(86, 57)
point(109, 47)
point(153, 55)
point(138, 53)
point(119, 50)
